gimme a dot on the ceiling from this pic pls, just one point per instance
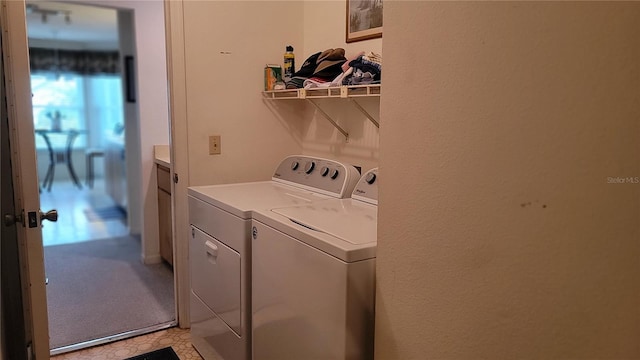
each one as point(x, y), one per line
point(86, 26)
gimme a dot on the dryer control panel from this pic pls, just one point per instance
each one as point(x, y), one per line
point(328, 177)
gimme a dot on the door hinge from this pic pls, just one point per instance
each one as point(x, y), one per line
point(175, 178)
point(29, 351)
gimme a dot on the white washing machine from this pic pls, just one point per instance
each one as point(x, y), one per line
point(220, 247)
point(313, 278)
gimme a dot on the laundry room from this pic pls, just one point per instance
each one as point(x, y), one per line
point(481, 221)
point(223, 98)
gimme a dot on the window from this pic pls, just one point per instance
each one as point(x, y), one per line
point(87, 103)
point(103, 104)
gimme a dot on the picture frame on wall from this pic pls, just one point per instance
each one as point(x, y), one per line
point(130, 79)
point(364, 20)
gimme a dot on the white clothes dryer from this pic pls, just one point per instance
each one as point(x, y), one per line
point(220, 247)
point(313, 278)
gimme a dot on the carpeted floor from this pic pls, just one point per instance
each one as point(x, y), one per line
point(101, 288)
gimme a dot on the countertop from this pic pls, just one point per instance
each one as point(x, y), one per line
point(161, 155)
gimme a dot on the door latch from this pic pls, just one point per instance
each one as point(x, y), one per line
point(32, 219)
point(10, 219)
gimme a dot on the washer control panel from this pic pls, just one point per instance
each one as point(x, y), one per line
point(367, 188)
point(326, 176)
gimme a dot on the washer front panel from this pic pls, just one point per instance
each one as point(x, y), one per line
point(307, 304)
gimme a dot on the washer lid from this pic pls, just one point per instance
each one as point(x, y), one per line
point(352, 221)
point(240, 199)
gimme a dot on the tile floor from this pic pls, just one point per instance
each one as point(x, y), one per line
point(178, 339)
point(73, 224)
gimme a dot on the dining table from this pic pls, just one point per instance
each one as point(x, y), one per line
point(59, 156)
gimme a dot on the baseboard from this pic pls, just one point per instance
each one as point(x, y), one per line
point(151, 259)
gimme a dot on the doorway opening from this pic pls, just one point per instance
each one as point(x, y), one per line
point(98, 288)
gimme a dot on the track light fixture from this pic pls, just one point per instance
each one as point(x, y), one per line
point(45, 13)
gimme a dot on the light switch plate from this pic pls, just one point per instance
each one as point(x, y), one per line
point(214, 145)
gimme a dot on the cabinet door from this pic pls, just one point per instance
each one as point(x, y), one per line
point(164, 215)
point(164, 178)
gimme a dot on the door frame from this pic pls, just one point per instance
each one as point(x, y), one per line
point(178, 140)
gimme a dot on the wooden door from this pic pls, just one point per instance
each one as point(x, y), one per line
point(25, 216)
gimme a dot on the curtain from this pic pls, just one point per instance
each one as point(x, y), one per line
point(83, 62)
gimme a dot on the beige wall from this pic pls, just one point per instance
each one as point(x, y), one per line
point(224, 82)
point(508, 119)
point(324, 27)
point(227, 44)
point(153, 112)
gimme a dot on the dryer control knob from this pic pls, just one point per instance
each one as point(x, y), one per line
point(295, 165)
point(334, 174)
point(324, 171)
point(309, 167)
point(371, 178)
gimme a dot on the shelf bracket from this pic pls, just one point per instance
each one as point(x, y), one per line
point(365, 112)
point(326, 116)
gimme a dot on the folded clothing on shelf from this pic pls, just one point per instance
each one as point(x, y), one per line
point(331, 68)
point(325, 65)
point(367, 69)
